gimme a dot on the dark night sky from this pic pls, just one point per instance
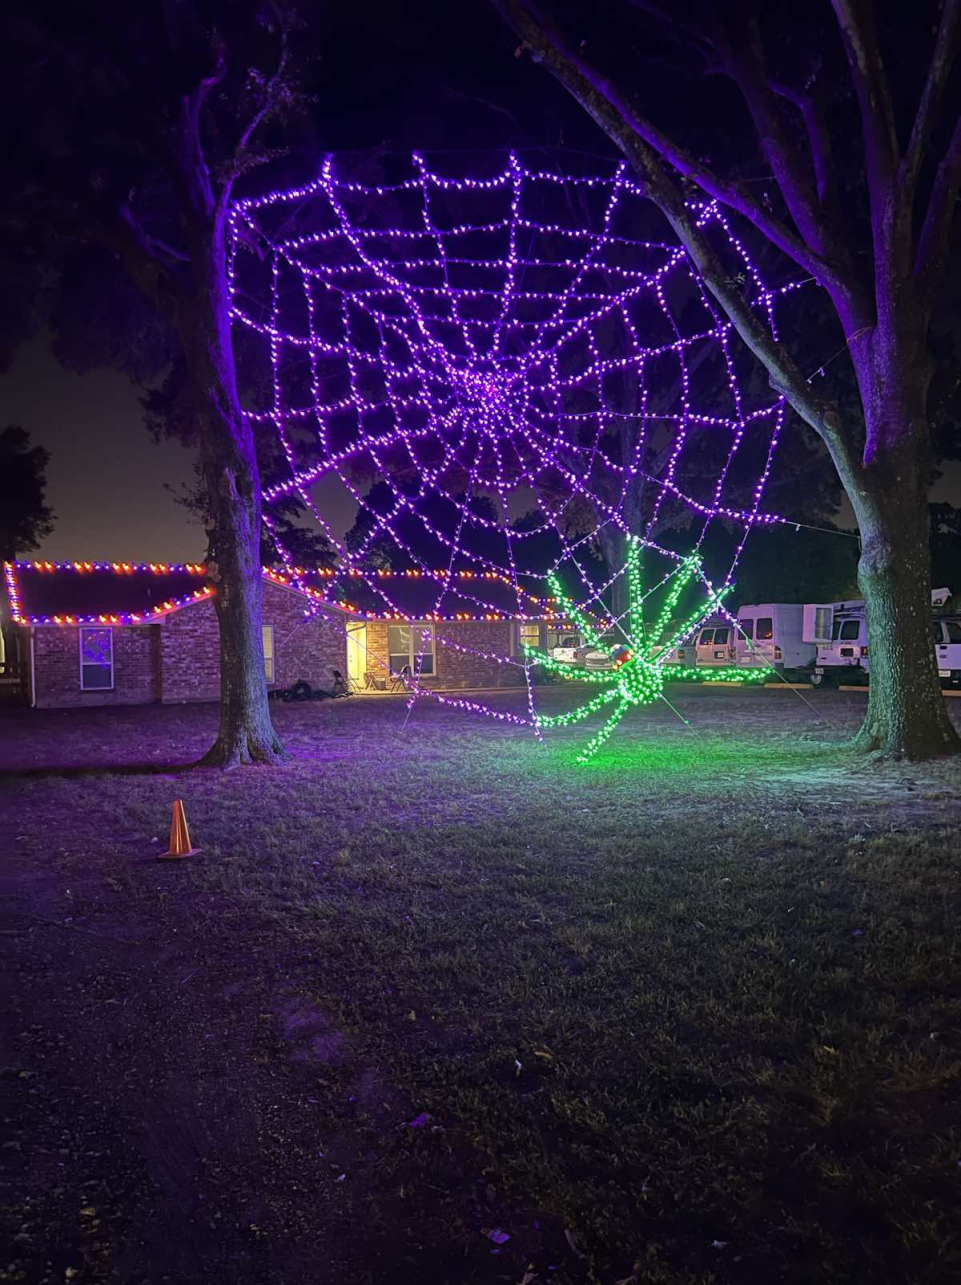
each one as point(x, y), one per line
point(395, 75)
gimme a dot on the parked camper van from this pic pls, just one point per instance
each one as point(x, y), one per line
point(772, 635)
point(840, 632)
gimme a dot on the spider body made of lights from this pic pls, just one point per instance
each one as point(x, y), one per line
point(637, 671)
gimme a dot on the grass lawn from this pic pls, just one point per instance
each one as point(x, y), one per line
point(435, 1004)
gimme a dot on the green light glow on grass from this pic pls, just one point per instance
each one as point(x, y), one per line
point(637, 674)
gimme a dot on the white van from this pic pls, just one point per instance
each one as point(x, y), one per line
point(947, 649)
point(772, 635)
point(711, 647)
point(843, 653)
point(845, 657)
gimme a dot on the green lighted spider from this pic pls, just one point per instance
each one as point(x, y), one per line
point(637, 673)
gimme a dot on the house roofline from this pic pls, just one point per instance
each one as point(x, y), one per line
point(269, 575)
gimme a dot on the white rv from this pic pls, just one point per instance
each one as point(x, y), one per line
point(839, 630)
point(771, 635)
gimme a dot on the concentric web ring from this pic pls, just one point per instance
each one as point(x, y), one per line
point(542, 390)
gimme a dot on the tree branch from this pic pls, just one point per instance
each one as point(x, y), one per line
point(931, 257)
point(945, 49)
point(784, 376)
point(861, 46)
point(819, 141)
point(540, 36)
point(746, 67)
point(273, 92)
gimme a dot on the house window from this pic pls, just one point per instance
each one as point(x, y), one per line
point(96, 659)
point(529, 635)
point(267, 633)
point(411, 647)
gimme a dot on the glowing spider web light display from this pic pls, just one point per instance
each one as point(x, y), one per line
point(484, 345)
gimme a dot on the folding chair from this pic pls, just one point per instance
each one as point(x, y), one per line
point(400, 682)
point(341, 685)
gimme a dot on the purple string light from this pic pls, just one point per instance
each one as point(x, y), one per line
point(459, 334)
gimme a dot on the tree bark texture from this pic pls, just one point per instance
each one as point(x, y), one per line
point(229, 460)
point(907, 715)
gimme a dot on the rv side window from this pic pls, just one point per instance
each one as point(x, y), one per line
point(850, 630)
point(765, 628)
point(747, 628)
point(936, 630)
point(953, 628)
point(706, 636)
point(720, 637)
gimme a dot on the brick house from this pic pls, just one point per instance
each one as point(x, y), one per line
point(81, 633)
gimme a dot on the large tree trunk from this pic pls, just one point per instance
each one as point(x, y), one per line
point(232, 478)
point(907, 715)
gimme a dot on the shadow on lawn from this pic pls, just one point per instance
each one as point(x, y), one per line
point(100, 769)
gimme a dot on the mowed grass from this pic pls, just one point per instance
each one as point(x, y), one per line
point(689, 1014)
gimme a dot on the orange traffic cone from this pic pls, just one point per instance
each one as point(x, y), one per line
point(179, 836)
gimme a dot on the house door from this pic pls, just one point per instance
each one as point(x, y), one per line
point(357, 654)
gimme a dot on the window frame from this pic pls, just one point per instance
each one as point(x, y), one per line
point(269, 673)
point(415, 628)
point(519, 627)
point(87, 629)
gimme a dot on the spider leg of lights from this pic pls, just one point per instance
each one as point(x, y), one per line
point(460, 338)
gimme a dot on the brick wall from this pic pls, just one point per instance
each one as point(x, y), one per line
point(190, 654)
point(136, 672)
point(311, 649)
point(455, 669)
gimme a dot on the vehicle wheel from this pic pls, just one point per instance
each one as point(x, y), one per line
point(820, 680)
